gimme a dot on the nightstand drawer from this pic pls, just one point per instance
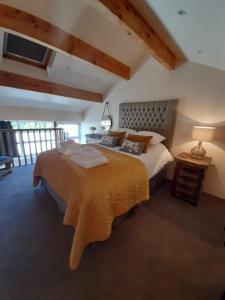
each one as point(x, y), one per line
point(187, 184)
point(187, 170)
point(187, 197)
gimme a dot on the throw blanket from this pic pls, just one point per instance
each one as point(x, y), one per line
point(95, 196)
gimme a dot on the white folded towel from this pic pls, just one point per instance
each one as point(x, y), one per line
point(68, 147)
point(88, 163)
point(87, 152)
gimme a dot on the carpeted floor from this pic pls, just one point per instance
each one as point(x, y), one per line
point(168, 250)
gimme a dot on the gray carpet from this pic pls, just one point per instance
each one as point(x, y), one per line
point(168, 250)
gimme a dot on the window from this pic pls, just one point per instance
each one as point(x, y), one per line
point(33, 142)
point(71, 130)
point(26, 51)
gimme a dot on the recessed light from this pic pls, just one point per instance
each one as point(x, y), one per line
point(200, 51)
point(182, 12)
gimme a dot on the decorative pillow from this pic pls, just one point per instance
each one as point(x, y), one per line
point(133, 147)
point(127, 130)
point(120, 135)
point(140, 138)
point(156, 137)
point(109, 141)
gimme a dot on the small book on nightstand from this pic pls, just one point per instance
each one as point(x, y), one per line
point(188, 177)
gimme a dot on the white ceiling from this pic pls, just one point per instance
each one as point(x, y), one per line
point(22, 98)
point(203, 28)
point(82, 75)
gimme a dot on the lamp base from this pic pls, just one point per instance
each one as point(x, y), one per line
point(198, 152)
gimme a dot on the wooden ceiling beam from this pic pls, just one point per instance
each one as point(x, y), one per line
point(37, 85)
point(128, 15)
point(30, 26)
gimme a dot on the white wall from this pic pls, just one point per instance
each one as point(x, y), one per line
point(201, 93)
point(27, 113)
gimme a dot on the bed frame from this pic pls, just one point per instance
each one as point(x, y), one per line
point(157, 116)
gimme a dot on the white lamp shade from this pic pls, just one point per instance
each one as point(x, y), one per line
point(202, 133)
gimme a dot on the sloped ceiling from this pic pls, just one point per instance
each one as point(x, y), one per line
point(202, 28)
point(84, 21)
point(21, 98)
point(80, 18)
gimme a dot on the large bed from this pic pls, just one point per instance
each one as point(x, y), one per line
point(92, 199)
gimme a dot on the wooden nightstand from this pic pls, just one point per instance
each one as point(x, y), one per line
point(188, 177)
point(93, 138)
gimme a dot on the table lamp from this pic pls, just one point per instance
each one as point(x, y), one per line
point(201, 134)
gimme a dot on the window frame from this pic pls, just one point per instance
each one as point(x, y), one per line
point(9, 55)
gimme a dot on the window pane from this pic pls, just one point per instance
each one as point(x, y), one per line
point(71, 131)
point(25, 48)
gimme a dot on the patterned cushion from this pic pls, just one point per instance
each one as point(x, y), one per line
point(109, 141)
point(133, 147)
point(120, 135)
point(140, 138)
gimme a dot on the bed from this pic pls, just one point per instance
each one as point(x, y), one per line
point(93, 199)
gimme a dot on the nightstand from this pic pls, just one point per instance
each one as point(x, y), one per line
point(93, 138)
point(188, 176)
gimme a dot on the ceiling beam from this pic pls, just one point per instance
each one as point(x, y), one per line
point(128, 15)
point(37, 85)
point(30, 26)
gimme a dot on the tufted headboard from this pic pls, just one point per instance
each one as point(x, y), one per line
point(157, 116)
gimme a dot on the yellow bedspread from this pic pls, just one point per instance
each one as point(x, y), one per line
point(95, 196)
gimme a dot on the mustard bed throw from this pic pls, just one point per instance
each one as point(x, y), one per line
point(94, 197)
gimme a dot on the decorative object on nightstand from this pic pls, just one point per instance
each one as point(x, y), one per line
point(201, 134)
point(93, 138)
point(92, 129)
point(106, 120)
point(188, 176)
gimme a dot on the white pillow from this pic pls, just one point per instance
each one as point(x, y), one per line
point(156, 137)
point(68, 147)
point(127, 130)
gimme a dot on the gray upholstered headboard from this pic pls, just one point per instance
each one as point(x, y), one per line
point(157, 116)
